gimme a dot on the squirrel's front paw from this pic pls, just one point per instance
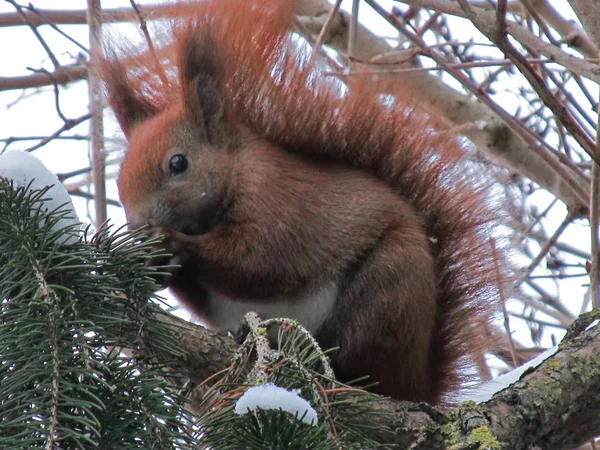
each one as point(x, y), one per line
point(168, 254)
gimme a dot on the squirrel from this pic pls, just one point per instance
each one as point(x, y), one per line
point(287, 191)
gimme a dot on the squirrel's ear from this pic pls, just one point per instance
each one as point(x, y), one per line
point(129, 106)
point(201, 96)
point(204, 104)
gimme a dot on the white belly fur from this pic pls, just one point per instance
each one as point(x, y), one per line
point(309, 309)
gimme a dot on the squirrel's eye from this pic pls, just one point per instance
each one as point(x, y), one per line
point(178, 164)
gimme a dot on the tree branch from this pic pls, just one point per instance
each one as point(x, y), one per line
point(63, 76)
point(569, 30)
point(553, 406)
point(588, 12)
point(79, 17)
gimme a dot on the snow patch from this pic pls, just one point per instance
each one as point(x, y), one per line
point(270, 396)
point(23, 168)
point(485, 391)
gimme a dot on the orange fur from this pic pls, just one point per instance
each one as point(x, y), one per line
point(352, 148)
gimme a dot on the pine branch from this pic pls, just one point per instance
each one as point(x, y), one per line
point(64, 305)
point(280, 359)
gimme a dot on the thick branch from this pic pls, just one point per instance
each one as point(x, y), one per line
point(554, 406)
point(569, 30)
point(79, 17)
point(588, 12)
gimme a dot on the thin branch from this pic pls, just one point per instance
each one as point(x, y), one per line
point(143, 26)
point(541, 23)
point(55, 28)
point(75, 173)
point(19, 8)
point(511, 345)
point(537, 219)
point(563, 247)
point(330, 17)
point(547, 246)
point(88, 196)
point(569, 30)
point(544, 323)
point(461, 65)
point(79, 17)
point(353, 32)
point(56, 93)
point(12, 139)
point(546, 305)
point(558, 311)
point(66, 126)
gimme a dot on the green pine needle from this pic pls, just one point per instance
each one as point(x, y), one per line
point(63, 307)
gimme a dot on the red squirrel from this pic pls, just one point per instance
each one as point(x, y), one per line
point(291, 193)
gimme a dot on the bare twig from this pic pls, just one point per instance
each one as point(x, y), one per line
point(19, 8)
point(317, 47)
point(565, 317)
point(12, 139)
point(352, 34)
point(66, 126)
point(547, 246)
point(546, 305)
point(462, 65)
point(537, 321)
point(89, 196)
point(569, 30)
point(511, 345)
point(144, 27)
point(56, 93)
point(55, 28)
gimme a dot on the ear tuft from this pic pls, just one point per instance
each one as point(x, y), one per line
point(124, 96)
point(198, 77)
